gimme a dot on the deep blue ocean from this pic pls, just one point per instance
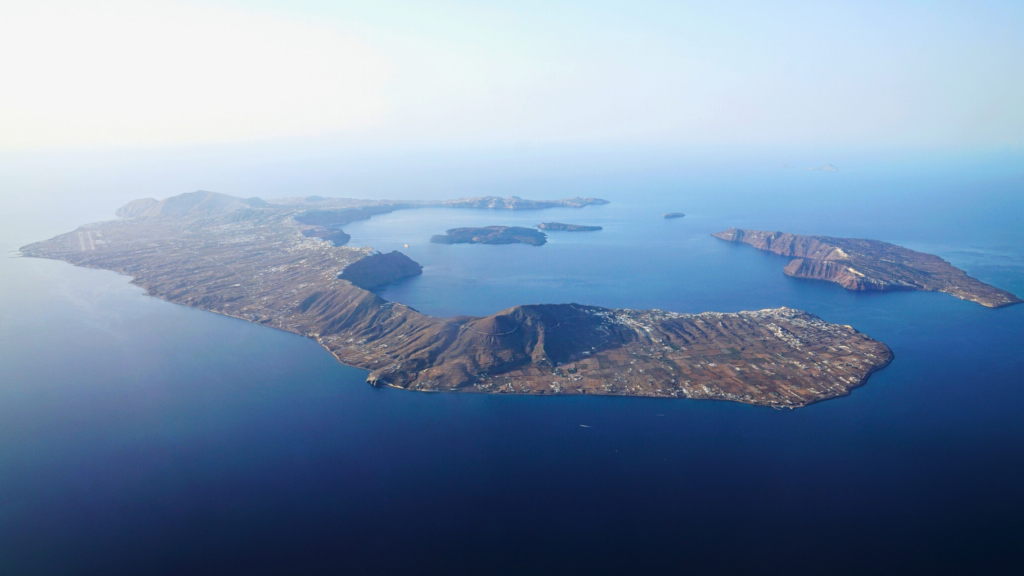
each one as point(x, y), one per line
point(142, 437)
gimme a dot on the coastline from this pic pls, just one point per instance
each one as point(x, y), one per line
point(148, 291)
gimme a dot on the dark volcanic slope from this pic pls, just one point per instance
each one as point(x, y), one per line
point(491, 235)
point(378, 269)
point(870, 265)
point(252, 261)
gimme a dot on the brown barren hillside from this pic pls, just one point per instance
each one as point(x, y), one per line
point(257, 261)
point(858, 264)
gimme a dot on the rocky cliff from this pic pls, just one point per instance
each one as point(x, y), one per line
point(858, 264)
point(256, 264)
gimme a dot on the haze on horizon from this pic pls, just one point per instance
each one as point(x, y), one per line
point(109, 73)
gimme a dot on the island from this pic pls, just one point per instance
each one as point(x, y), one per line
point(567, 227)
point(476, 202)
point(491, 235)
point(824, 168)
point(251, 260)
point(857, 264)
point(674, 215)
point(379, 269)
point(517, 203)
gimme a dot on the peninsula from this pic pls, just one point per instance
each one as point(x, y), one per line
point(858, 264)
point(567, 227)
point(251, 260)
point(491, 235)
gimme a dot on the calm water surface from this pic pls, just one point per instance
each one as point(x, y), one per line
point(138, 436)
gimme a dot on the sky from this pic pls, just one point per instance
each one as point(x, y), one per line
point(106, 73)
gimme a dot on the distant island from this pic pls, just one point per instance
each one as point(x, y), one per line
point(379, 269)
point(476, 202)
point(870, 265)
point(825, 168)
point(567, 227)
point(254, 261)
point(517, 203)
point(674, 215)
point(491, 235)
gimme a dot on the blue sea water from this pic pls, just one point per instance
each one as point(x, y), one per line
point(138, 436)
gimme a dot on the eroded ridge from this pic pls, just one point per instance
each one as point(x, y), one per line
point(256, 261)
point(857, 264)
point(778, 357)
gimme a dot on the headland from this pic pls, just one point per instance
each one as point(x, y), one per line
point(857, 264)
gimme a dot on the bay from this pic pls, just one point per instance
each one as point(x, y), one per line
point(138, 436)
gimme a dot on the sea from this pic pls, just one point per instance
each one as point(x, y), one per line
point(143, 437)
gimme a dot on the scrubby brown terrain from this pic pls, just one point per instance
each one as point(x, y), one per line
point(253, 260)
point(858, 264)
point(869, 264)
